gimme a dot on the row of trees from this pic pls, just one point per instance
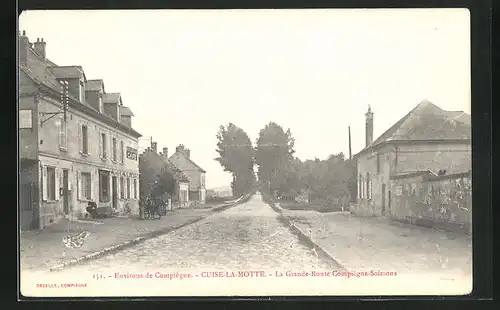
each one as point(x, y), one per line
point(278, 170)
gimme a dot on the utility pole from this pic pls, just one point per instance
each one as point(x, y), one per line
point(350, 153)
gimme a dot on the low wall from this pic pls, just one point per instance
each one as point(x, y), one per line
point(440, 202)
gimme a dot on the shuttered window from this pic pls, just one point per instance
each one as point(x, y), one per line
point(104, 180)
point(103, 146)
point(84, 139)
point(135, 188)
point(51, 183)
point(128, 188)
point(114, 149)
point(122, 152)
point(86, 185)
point(122, 188)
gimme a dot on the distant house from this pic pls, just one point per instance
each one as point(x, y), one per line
point(182, 160)
point(152, 164)
point(426, 139)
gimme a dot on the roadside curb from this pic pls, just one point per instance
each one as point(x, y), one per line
point(137, 240)
point(304, 238)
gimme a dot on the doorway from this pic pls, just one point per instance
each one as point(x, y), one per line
point(114, 195)
point(65, 191)
point(389, 202)
point(383, 199)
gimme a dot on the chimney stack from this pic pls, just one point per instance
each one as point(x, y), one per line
point(165, 152)
point(369, 126)
point(39, 47)
point(24, 44)
point(154, 147)
point(188, 153)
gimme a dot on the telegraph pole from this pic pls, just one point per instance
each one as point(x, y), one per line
point(350, 153)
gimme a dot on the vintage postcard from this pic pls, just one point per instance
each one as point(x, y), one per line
point(245, 152)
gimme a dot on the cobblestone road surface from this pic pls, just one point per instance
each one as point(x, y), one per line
point(244, 237)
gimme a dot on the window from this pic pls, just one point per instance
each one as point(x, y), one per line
point(85, 140)
point(51, 183)
point(122, 150)
point(122, 188)
point(378, 163)
point(368, 186)
point(128, 188)
point(100, 103)
point(63, 135)
point(114, 149)
point(135, 188)
point(103, 186)
point(360, 187)
point(25, 119)
point(82, 92)
point(86, 185)
point(103, 145)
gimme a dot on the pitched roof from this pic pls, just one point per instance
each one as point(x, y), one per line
point(46, 74)
point(71, 72)
point(111, 98)
point(125, 111)
point(189, 160)
point(428, 122)
point(178, 174)
point(94, 85)
point(459, 116)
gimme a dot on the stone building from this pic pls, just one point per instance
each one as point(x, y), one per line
point(70, 156)
point(182, 160)
point(426, 139)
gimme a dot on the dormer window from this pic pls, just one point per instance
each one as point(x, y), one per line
point(101, 106)
point(82, 91)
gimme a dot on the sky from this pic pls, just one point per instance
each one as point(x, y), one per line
point(186, 72)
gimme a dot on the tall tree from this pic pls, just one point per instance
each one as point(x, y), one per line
point(274, 155)
point(236, 156)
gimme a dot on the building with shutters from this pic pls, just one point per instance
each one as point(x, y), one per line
point(70, 156)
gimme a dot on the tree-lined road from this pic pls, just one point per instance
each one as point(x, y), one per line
point(245, 237)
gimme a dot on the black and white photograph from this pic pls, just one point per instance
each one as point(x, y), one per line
point(299, 152)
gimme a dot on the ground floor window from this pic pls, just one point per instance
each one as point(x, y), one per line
point(128, 188)
point(135, 188)
point(103, 186)
point(86, 185)
point(51, 183)
point(122, 187)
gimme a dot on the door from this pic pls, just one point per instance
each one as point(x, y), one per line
point(383, 199)
point(114, 196)
point(28, 196)
point(389, 202)
point(65, 191)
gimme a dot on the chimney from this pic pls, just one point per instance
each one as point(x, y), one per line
point(24, 44)
point(39, 47)
point(154, 147)
point(188, 153)
point(165, 152)
point(369, 126)
point(180, 148)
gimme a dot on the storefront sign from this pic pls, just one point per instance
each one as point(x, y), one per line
point(131, 153)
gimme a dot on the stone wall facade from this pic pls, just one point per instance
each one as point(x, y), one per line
point(444, 201)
